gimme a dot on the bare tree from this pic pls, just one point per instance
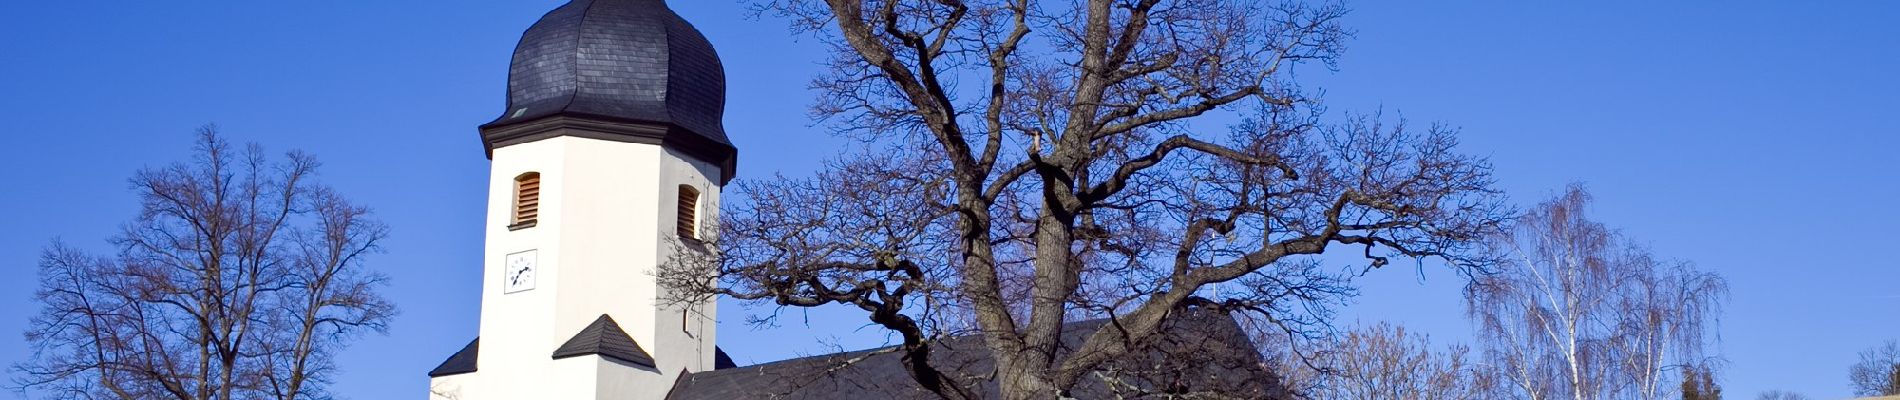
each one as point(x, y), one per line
point(1549, 305)
point(1384, 361)
point(240, 278)
point(1036, 162)
point(1781, 395)
point(1580, 312)
point(1665, 310)
point(1878, 372)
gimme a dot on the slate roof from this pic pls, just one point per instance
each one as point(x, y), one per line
point(1201, 351)
point(721, 360)
point(461, 362)
point(605, 338)
point(629, 60)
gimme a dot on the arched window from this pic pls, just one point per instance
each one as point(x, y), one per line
point(527, 200)
point(689, 212)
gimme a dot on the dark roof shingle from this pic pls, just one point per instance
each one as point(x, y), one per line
point(1201, 351)
point(631, 60)
point(605, 338)
point(461, 362)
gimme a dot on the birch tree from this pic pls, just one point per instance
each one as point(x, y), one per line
point(1580, 312)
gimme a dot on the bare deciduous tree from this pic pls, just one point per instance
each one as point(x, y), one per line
point(1781, 395)
point(1037, 162)
point(240, 278)
point(1878, 372)
point(1580, 312)
point(1384, 361)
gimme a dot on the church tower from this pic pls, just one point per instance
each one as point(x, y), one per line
point(609, 157)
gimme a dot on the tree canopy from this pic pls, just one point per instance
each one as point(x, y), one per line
point(1031, 163)
point(240, 277)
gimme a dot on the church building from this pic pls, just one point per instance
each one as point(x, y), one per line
point(611, 154)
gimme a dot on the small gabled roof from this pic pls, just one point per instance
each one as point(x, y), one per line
point(605, 338)
point(721, 360)
point(461, 363)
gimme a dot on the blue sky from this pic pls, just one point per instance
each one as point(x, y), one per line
point(1754, 138)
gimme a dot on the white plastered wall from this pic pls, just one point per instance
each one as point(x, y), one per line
point(606, 220)
point(689, 331)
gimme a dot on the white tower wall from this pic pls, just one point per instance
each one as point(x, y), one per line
point(606, 220)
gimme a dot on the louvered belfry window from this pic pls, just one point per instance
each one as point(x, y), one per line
point(689, 212)
point(527, 199)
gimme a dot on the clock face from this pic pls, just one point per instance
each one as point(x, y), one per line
point(518, 272)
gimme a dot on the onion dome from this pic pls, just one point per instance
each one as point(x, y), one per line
point(627, 70)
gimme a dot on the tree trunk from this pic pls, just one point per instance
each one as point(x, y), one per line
point(1016, 379)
